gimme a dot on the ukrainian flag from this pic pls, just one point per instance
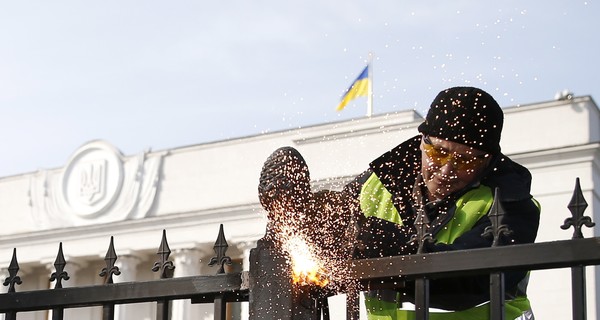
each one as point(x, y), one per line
point(359, 88)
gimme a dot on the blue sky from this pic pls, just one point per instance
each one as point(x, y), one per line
point(160, 75)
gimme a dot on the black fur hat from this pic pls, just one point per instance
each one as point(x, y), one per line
point(466, 115)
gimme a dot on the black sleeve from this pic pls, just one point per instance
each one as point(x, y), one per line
point(381, 238)
point(376, 237)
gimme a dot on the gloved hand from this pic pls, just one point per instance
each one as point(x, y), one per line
point(380, 238)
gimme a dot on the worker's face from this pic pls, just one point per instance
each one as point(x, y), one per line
point(449, 166)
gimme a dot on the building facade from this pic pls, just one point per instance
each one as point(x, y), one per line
point(190, 191)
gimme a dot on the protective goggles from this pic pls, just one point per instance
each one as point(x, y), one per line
point(440, 157)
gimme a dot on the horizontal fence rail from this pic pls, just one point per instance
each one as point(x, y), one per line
point(204, 288)
point(545, 255)
point(218, 289)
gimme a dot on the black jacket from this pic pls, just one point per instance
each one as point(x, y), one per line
point(398, 170)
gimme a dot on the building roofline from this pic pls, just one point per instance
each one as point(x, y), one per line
point(408, 114)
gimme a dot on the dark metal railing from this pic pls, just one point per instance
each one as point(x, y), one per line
point(218, 289)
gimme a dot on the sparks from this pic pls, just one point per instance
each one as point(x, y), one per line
point(306, 267)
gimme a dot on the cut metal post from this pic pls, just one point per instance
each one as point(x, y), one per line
point(273, 295)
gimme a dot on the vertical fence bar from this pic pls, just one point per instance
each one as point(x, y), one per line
point(59, 275)
point(577, 206)
point(422, 298)
point(221, 259)
point(220, 308)
point(12, 280)
point(58, 313)
point(497, 296)
point(324, 307)
point(352, 304)
point(578, 292)
point(165, 267)
point(163, 308)
point(108, 311)
point(496, 230)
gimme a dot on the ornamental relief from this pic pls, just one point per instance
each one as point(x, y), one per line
point(98, 185)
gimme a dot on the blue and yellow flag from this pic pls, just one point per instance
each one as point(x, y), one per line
point(359, 88)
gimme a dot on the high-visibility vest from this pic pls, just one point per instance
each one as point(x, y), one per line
point(376, 200)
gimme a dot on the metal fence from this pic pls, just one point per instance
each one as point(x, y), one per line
point(219, 289)
point(271, 295)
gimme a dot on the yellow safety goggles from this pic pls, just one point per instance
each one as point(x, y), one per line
point(441, 157)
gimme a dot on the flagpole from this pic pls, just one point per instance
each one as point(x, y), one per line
point(370, 87)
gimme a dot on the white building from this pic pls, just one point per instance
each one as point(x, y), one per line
point(189, 191)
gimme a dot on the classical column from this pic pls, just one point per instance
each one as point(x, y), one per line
point(187, 263)
point(128, 266)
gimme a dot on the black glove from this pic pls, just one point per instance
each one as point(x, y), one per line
point(380, 238)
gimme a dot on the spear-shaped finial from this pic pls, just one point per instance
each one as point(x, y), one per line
point(165, 266)
point(220, 248)
point(110, 259)
point(422, 236)
point(577, 206)
point(59, 265)
point(496, 215)
point(13, 269)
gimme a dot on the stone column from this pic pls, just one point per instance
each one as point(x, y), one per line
point(187, 263)
point(128, 266)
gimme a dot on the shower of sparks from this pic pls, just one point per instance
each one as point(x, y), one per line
point(307, 269)
point(308, 227)
point(310, 262)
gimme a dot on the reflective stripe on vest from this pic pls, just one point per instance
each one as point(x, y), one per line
point(376, 201)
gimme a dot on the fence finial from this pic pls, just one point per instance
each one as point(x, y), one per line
point(164, 265)
point(220, 248)
point(110, 259)
point(496, 214)
point(59, 265)
point(13, 269)
point(577, 206)
point(422, 236)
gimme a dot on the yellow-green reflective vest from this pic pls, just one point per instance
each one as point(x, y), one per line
point(376, 201)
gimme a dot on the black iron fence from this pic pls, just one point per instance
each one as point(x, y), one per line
point(272, 295)
point(218, 289)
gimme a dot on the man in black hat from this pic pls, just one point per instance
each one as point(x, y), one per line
point(446, 176)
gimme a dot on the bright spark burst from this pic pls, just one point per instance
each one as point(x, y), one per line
point(306, 267)
point(308, 227)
